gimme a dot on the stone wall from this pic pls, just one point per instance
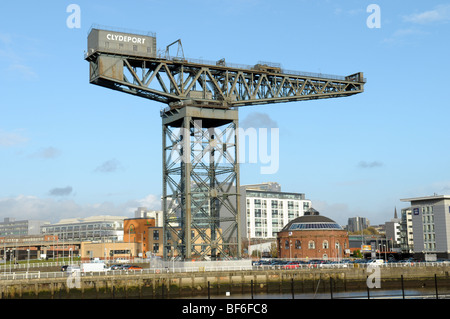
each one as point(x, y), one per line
point(176, 285)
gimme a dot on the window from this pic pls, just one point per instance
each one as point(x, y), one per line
point(298, 244)
point(156, 235)
point(311, 244)
point(286, 244)
point(325, 244)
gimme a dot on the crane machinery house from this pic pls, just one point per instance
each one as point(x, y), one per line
point(115, 42)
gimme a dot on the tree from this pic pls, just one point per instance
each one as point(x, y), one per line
point(357, 254)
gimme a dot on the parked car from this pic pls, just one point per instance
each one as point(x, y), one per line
point(292, 265)
point(131, 267)
point(72, 268)
point(116, 267)
point(376, 262)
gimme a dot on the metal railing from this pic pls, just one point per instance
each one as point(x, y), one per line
point(11, 266)
point(252, 67)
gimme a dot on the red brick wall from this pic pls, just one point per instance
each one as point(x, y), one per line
point(318, 237)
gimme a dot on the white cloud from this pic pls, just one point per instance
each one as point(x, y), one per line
point(8, 139)
point(150, 201)
point(440, 13)
point(23, 71)
point(16, 64)
point(25, 207)
point(364, 164)
point(338, 212)
point(109, 166)
point(405, 34)
point(46, 153)
point(348, 12)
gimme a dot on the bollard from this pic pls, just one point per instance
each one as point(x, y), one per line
point(368, 293)
point(292, 287)
point(403, 288)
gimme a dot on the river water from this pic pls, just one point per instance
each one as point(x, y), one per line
point(371, 294)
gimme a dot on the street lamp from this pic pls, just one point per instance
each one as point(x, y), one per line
point(6, 259)
point(290, 249)
point(10, 251)
point(28, 258)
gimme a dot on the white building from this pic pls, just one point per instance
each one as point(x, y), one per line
point(142, 212)
point(393, 234)
point(407, 238)
point(265, 210)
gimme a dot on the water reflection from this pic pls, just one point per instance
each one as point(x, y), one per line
point(371, 294)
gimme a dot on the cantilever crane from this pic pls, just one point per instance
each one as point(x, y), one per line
point(200, 198)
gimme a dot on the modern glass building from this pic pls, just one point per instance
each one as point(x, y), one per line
point(357, 224)
point(95, 228)
point(13, 227)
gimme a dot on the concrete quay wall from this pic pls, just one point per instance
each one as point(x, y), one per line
point(175, 285)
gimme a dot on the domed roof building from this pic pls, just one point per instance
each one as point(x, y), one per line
point(312, 236)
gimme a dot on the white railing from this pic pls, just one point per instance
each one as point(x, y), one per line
point(7, 266)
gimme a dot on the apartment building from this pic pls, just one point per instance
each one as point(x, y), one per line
point(265, 209)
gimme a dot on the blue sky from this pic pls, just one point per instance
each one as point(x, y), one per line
point(71, 149)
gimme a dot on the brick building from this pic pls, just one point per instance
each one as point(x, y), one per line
point(199, 245)
point(136, 230)
point(313, 236)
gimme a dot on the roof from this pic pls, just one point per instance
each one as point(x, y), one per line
point(312, 220)
point(90, 219)
point(434, 197)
